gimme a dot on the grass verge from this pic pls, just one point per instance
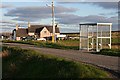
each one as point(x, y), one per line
point(24, 63)
point(48, 44)
point(109, 52)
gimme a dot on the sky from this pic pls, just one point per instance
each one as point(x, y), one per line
point(68, 15)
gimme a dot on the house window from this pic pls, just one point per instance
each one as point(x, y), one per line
point(45, 31)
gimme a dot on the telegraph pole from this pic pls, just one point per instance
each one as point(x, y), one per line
point(53, 23)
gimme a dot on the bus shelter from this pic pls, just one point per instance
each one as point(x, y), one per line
point(95, 36)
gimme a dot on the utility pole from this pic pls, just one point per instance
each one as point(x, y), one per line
point(53, 23)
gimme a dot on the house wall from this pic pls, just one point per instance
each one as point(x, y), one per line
point(17, 38)
point(31, 34)
point(50, 34)
point(57, 33)
point(45, 33)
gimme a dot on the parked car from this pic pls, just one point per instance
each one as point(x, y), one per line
point(41, 39)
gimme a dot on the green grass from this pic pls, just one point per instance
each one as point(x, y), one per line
point(115, 40)
point(69, 42)
point(24, 63)
point(109, 52)
point(48, 44)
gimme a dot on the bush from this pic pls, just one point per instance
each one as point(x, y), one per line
point(109, 52)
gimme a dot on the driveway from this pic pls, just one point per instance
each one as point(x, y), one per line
point(109, 63)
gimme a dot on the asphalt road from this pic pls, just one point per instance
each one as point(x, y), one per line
point(109, 63)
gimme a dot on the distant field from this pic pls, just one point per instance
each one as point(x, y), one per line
point(27, 64)
point(115, 39)
point(69, 42)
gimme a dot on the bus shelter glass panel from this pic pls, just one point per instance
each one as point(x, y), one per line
point(104, 36)
point(95, 36)
point(83, 37)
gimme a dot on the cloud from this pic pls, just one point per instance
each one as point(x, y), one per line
point(107, 5)
point(6, 6)
point(60, 0)
point(111, 13)
point(8, 26)
point(63, 15)
point(66, 15)
point(90, 19)
point(6, 22)
point(72, 19)
point(36, 13)
point(101, 0)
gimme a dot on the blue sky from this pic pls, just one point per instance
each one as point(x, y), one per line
point(67, 14)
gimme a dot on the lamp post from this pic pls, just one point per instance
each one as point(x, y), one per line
point(53, 23)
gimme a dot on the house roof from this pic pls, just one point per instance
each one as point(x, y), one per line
point(33, 28)
point(50, 28)
point(104, 24)
point(22, 32)
point(38, 28)
point(7, 34)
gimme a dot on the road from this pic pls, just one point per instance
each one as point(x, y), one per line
point(109, 63)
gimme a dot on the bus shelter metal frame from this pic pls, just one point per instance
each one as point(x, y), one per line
point(98, 35)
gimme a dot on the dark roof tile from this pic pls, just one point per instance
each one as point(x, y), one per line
point(33, 28)
point(21, 32)
point(38, 30)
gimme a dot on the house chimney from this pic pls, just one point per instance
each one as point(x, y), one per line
point(16, 26)
point(56, 25)
point(28, 24)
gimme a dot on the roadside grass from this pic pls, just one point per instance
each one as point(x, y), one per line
point(25, 63)
point(109, 52)
point(48, 44)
